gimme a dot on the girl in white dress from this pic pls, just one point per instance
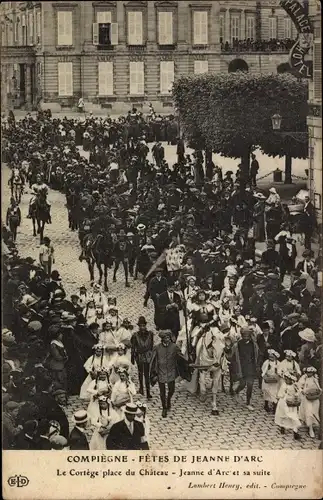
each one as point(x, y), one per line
point(122, 391)
point(310, 399)
point(89, 312)
point(289, 365)
point(105, 418)
point(289, 398)
point(98, 387)
point(93, 365)
point(121, 360)
point(270, 379)
point(142, 417)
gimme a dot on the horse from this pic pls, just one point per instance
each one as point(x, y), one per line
point(16, 184)
point(102, 254)
point(39, 214)
point(86, 253)
point(73, 208)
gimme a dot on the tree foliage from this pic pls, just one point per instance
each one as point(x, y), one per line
point(231, 113)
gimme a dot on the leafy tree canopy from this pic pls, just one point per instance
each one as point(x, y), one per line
point(231, 113)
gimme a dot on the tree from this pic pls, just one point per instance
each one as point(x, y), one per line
point(231, 113)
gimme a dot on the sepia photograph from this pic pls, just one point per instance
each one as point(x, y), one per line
point(161, 227)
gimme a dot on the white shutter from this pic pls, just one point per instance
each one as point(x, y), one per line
point(250, 27)
point(31, 27)
point(200, 27)
point(38, 25)
point(166, 76)
point(135, 35)
point(23, 20)
point(222, 28)
point(64, 27)
point(165, 28)
point(95, 34)
point(287, 27)
point(65, 79)
point(103, 17)
point(317, 70)
point(105, 70)
point(114, 33)
point(235, 27)
point(201, 67)
point(273, 27)
point(137, 77)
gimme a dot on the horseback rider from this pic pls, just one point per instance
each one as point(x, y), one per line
point(40, 189)
point(16, 181)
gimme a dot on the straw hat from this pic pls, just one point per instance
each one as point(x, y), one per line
point(308, 335)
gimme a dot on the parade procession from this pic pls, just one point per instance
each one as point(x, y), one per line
point(197, 304)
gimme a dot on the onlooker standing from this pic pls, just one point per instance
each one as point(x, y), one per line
point(254, 169)
point(309, 222)
point(245, 356)
point(129, 433)
point(46, 255)
point(9, 430)
point(78, 439)
point(142, 343)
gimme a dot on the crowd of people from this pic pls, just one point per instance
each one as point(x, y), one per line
point(251, 45)
point(225, 313)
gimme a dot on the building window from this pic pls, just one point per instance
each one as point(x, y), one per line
point(287, 27)
point(250, 27)
point(200, 27)
point(38, 25)
point(272, 27)
point(103, 17)
point(105, 71)
point(166, 76)
point(317, 70)
point(165, 28)
point(16, 31)
point(31, 28)
point(222, 28)
point(201, 67)
point(64, 28)
point(135, 32)
point(65, 79)
point(137, 77)
point(23, 30)
point(235, 27)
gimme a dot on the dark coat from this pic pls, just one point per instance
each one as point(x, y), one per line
point(238, 366)
point(157, 287)
point(43, 444)
point(177, 365)
point(22, 442)
point(78, 440)
point(168, 319)
point(49, 409)
point(120, 438)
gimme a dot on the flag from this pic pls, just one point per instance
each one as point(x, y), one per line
point(174, 258)
point(158, 263)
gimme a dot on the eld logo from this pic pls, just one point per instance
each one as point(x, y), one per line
point(18, 481)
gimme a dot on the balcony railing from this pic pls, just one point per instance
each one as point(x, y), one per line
point(249, 45)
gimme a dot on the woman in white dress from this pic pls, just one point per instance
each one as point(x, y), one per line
point(106, 417)
point(289, 399)
point(310, 399)
point(92, 366)
point(89, 312)
point(142, 417)
point(98, 387)
point(113, 317)
point(289, 365)
point(270, 379)
point(121, 360)
point(122, 391)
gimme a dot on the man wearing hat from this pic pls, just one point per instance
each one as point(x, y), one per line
point(169, 303)
point(77, 438)
point(156, 286)
point(26, 439)
point(142, 343)
point(307, 352)
point(289, 337)
point(270, 257)
point(129, 433)
point(9, 428)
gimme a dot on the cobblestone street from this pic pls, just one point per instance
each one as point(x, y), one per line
point(189, 424)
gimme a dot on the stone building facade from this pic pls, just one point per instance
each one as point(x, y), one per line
point(315, 112)
point(118, 53)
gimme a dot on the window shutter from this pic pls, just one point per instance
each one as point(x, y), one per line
point(250, 27)
point(204, 28)
point(140, 78)
point(166, 76)
point(105, 70)
point(31, 27)
point(273, 27)
point(114, 33)
point(287, 27)
point(64, 27)
point(95, 34)
point(317, 70)
point(103, 17)
point(65, 79)
point(38, 23)
point(135, 35)
point(165, 28)
point(137, 78)
point(201, 67)
point(235, 27)
point(222, 28)
point(197, 28)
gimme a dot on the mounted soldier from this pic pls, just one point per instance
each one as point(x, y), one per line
point(40, 190)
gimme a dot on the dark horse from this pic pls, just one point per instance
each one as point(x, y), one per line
point(97, 250)
point(39, 214)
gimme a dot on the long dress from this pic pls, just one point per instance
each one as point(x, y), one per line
point(103, 424)
point(286, 366)
point(309, 409)
point(95, 389)
point(122, 394)
point(287, 416)
point(92, 365)
point(270, 390)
